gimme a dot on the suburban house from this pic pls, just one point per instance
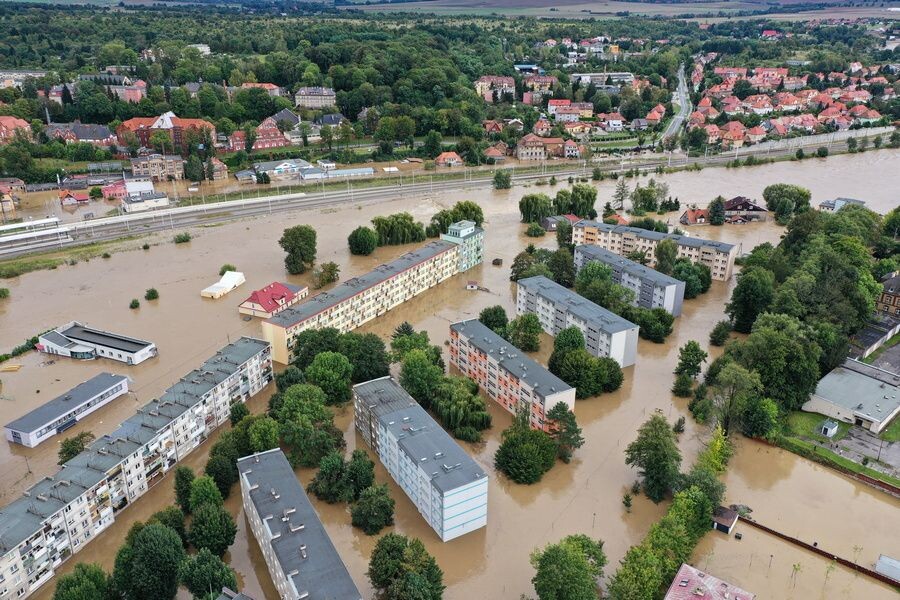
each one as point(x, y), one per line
point(9, 126)
point(535, 147)
point(694, 216)
point(551, 223)
point(70, 133)
point(270, 88)
point(744, 208)
point(176, 128)
point(859, 394)
point(70, 198)
point(268, 135)
point(832, 206)
point(692, 584)
point(889, 300)
point(77, 340)
point(448, 159)
point(315, 97)
point(220, 169)
point(491, 86)
point(272, 299)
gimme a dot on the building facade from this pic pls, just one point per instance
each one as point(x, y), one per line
point(651, 288)
point(889, 300)
point(315, 97)
point(301, 558)
point(361, 299)
point(605, 333)
point(470, 239)
point(57, 516)
point(79, 341)
point(859, 394)
point(64, 411)
point(448, 488)
point(509, 376)
point(621, 239)
point(158, 167)
point(176, 128)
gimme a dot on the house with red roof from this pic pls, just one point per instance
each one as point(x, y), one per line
point(270, 88)
point(268, 136)
point(696, 119)
point(542, 127)
point(176, 127)
point(492, 127)
point(571, 149)
point(554, 103)
point(9, 126)
point(694, 216)
point(494, 155)
point(756, 134)
point(577, 128)
point(693, 584)
point(731, 72)
point(69, 198)
point(759, 104)
point(448, 159)
point(713, 135)
point(272, 299)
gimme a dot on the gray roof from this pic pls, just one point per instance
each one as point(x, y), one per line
point(295, 314)
point(228, 594)
point(287, 115)
point(681, 240)
point(307, 552)
point(888, 566)
point(269, 165)
point(862, 389)
point(333, 119)
point(82, 131)
point(562, 298)
point(149, 157)
point(596, 253)
point(66, 403)
point(315, 91)
point(429, 446)
point(383, 395)
point(82, 333)
point(511, 358)
point(839, 203)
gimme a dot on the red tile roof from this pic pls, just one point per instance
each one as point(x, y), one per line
point(269, 296)
point(692, 584)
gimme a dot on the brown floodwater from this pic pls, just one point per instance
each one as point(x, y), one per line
point(785, 492)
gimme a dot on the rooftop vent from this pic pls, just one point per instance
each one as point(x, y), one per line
point(303, 553)
point(274, 493)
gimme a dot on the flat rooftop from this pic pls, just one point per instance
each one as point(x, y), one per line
point(429, 446)
point(862, 389)
point(594, 252)
point(82, 333)
point(511, 358)
point(316, 304)
point(303, 546)
point(679, 239)
point(66, 403)
point(383, 395)
point(594, 314)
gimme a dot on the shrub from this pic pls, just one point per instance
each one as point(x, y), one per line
point(182, 238)
point(4, 293)
point(534, 230)
point(720, 333)
point(502, 180)
point(135, 303)
point(105, 255)
point(146, 246)
point(822, 152)
point(151, 294)
point(225, 268)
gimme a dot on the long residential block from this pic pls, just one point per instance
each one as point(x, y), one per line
point(605, 332)
point(651, 288)
point(301, 558)
point(448, 488)
point(64, 411)
point(361, 299)
point(59, 515)
point(621, 239)
point(508, 375)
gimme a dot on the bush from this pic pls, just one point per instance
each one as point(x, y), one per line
point(105, 255)
point(535, 230)
point(502, 180)
point(362, 241)
point(146, 246)
point(225, 268)
point(151, 294)
point(135, 303)
point(374, 511)
point(822, 152)
point(182, 238)
point(720, 333)
point(4, 293)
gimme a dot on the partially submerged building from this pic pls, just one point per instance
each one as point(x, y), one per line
point(77, 340)
point(859, 394)
point(693, 584)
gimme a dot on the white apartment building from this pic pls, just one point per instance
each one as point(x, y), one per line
point(56, 517)
point(621, 239)
point(470, 239)
point(605, 333)
point(301, 558)
point(361, 299)
point(651, 288)
point(448, 488)
point(64, 411)
point(509, 376)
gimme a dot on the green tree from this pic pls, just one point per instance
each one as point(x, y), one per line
point(502, 180)
point(204, 491)
point(367, 353)
point(562, 266)
point(362, 241)
point(565, 341)
point(85, 582)
point(71, 447)
point(494, 318)
point(433, 144)
point(535, 230)
point(569, 569)
point(759, 418)
point(655, 453)
point(564, 235)
point(325, 273)
point(374, 511)
point(524, 332)
point(420, 377)
point(717, 211)
point(307, 426)
point(223, 470)
point(666, 253)
point(720, 333)
point(146, 568)
point(401, 568)
point(184, 478)
point(193, 168)
point(237, 412)
point(786, 200)
point(331, 372)
point(565, 431)
point(173, 518)
point(300, 244)
point(683, 386)
point(690, 358)
point(331, 482)
point(582, 371)
point(263, 434)
point(621, 194)
point(525, 454)
point(751, 297)
point(204, 573)
point(212, 528)
point(535, 207)
point(734, 387)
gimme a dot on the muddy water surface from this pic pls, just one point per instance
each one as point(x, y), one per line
point(786, 492)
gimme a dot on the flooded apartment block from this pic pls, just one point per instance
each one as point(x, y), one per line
point(448, 488)
point(56, 517)
point(622, 240)
point(77, 340)
point(301, 558)
point(508, 375)
point(65, 411)
point(605, 332)
point(361, 299)
point(651, 288)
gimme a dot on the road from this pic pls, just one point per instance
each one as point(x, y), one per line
point(111, 228)
point(684, 106)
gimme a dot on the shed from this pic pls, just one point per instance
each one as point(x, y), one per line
point(828, 428)
point(724, 519)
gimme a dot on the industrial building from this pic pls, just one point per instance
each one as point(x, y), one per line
point(77, 340)
point(859, 394)
point(605, 333)
point(448, 488)
point(301, 558)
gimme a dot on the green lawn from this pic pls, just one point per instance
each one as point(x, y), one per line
point(827, 457)
point(892, 433)
point(807, 424)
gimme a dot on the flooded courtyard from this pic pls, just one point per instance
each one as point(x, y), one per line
point(785, 492)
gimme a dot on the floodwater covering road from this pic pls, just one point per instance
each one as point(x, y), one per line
point(786, 492)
